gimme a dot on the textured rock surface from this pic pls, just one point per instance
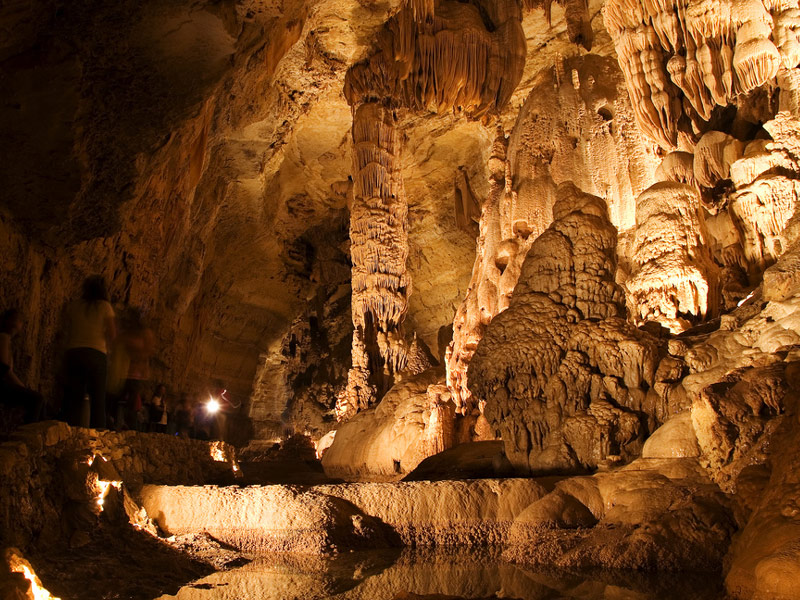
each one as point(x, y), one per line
point(682, 60)
point(386, 442)
point(576, 125)
point(651, 515)
point(673, 278)
point(563, 374)
point(242, 171)
point(766, 563)
point(43, 465)
point(448, 513)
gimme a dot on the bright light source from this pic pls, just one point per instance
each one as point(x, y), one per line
point(20, 565)
point(217, 451)
point(212, 406)
point(743, 300)
point(103, 491)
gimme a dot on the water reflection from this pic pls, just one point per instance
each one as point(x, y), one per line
point(379, 575)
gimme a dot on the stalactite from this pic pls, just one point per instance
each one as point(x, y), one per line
point(579, 20)
point(444, 58)
point(708, 54)
point(429, 56)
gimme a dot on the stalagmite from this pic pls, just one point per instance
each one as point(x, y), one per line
point(577, 128)
point(674, 280)
point(440, 432)
point(562, 372)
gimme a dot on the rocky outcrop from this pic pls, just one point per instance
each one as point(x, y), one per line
point(265, 519)
point(346, 516)
point(563, 374)
point(387, 441)
point(576, 125)
point(45, 468)
point(765, 556)
point(660, 515)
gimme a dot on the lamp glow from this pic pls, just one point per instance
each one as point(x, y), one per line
point(212, 406)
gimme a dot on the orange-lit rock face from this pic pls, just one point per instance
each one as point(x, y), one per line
point(674, 278)
point(682, 60)
point(561, 370)
point(576, 125)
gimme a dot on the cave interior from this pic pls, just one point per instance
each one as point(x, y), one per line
point(402, 299)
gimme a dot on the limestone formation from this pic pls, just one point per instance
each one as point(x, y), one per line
point(674, 279)
point(500, 252)
point(386, 441)
point(379, 249)
point(682, 60)
point(447, 513)
point(265, 180)
point(652, 514)
point(563, 374)
point(576, 125)
point(445, 55)
point(427, 56)
point(766, 193)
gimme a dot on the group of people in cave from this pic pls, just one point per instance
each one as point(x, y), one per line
point(106, 375)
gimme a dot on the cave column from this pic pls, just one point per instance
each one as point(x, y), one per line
point(379, 250)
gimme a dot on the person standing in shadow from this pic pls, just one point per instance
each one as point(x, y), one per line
point(132, 351)
point(91, 329)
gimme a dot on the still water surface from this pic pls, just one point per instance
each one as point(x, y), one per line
point(379, 575)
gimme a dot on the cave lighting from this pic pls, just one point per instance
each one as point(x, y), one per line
point(18, 565)
point(212, 406)
point(743, 300)
point(39, 593)
point(217, 451)
point(104, 487)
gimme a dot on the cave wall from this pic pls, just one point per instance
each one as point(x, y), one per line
point(175, 150)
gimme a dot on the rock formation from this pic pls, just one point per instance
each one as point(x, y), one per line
point(378, 249)
point(427, 56)
point(576, 125)
point(265, 180)
point(684, 60)
point(563, 374)
point(674, 278)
